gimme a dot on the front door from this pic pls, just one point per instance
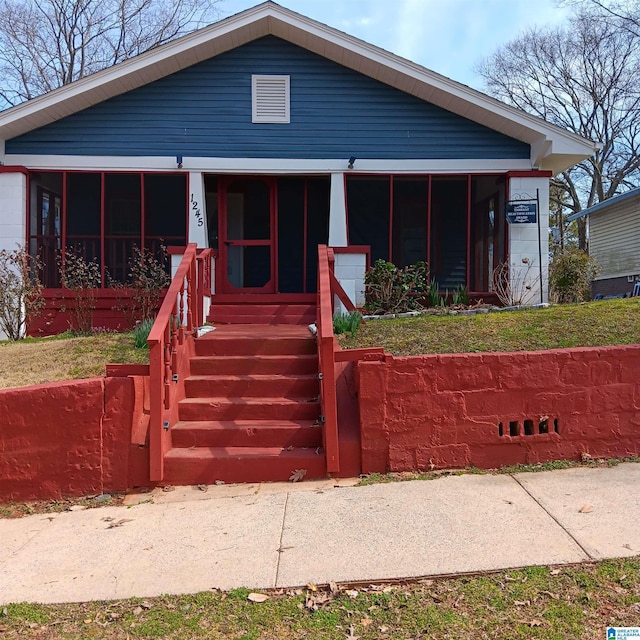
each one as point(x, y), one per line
point(247, 245)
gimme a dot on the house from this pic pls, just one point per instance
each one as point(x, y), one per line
point(262, 136)
point(614, 242)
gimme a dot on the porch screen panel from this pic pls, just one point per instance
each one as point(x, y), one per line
point(368, 201)
point(410, 206)
point(449, 231)
point(291, 235)
point(83, 209)
point(318, 192)
point(45, 224)
point(165, 211)
point(123, 222)
point(487, 231)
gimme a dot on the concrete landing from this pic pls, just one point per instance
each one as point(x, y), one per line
point(284, 535)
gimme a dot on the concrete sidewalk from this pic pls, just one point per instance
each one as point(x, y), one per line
point(282, 535)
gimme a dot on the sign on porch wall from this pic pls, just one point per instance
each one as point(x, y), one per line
point(519, 212)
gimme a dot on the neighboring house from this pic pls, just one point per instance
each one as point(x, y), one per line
point(263, 135)
point(614, 242)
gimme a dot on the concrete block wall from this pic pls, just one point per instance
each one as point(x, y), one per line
point(490, 410)
point(13, 210)
point(349, 270)
point(71, 438)
point(523, 238)
point(13, 213)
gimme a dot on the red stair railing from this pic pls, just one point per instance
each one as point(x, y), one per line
point(169, 343)
point(328, 286)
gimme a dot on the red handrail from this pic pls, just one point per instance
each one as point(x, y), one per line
point(179, 314)
point(326, 356)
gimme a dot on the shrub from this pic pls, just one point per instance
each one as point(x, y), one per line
point(346, 322)
point(20, 291)
point(570, 276)
point(146, 281)
point(83, 278)
point(515, 287)
point(392, 290)
point(141, 333)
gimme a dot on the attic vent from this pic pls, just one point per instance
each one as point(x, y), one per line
point(270, 98)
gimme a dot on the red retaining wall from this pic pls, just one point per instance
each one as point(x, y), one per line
point(490, 410)
point(72, 438)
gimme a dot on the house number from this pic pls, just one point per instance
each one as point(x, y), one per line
point(196, 211)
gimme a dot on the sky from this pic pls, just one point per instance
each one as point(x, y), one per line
point(447, 36)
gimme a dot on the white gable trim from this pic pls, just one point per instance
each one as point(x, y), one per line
point(552, 147)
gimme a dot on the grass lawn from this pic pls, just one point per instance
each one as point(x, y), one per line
point(576, 602)
point(600, 323)
point(37, 360)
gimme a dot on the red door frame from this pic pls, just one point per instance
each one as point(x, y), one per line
point(223, 284)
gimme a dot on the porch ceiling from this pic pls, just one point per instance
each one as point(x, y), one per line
point(553, 148)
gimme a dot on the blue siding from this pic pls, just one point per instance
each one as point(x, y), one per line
point(205, 110)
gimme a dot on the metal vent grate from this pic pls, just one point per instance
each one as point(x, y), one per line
point(270, 99)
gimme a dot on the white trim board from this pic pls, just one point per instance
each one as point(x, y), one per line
point(262, 165)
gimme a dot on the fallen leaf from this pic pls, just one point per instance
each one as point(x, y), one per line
point(352, 593)
point(311, 586)
point(333, 587)
point(533, 623)
point(586, 508)
point(119, 523)
point(137, 611)
point(297, 475)
point(522, 603)
point(554, 572)
point(383, 629)
point(168, 488)
point(314, 601)
point(351, 635)
point(365, 622)
point(554, 596)
point(219, 482)
point(257, 597)
point(203, 487)
point(145, 604)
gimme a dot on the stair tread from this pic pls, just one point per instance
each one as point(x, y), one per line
point(253, 376)
point(259, 356)
point(251, 400)
point(243, 452)
point(243, 424)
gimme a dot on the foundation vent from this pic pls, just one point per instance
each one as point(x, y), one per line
point(528, 427)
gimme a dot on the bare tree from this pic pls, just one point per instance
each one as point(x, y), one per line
point(626, 11)
point(583, 77)
point(45, 44)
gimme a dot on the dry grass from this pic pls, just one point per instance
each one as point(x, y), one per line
point(606, 322)
point(577, 602)
point(38, 360)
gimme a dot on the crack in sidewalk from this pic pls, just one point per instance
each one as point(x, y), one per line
point(280, 548)
point(571, 536)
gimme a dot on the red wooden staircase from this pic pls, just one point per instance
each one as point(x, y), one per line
point(252, 408)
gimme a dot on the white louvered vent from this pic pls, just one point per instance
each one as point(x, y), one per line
point(270, 98)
